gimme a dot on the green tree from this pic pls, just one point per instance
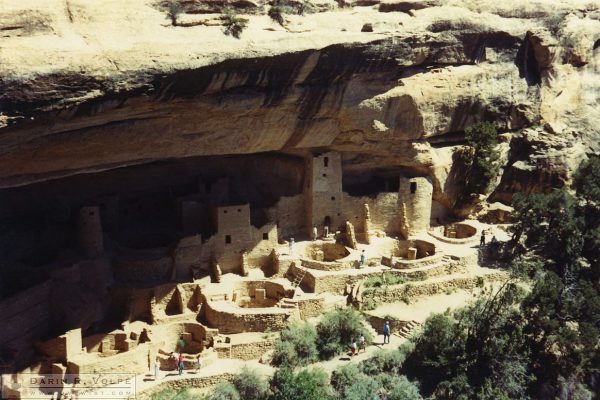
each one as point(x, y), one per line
point(351, 384)
point(481, 158)
point(403, 389)
point(234, 24)
point(337, 329)
point(308, 384)
point(296, 346)
point(174, 9)
point(484, 342)
point(250, 385)
point(225, 391)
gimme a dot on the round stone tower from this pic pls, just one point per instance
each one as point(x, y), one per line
point(89, 227)
point(415, 199)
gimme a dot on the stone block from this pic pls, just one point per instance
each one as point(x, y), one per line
point(412, 253)
point(260, 294)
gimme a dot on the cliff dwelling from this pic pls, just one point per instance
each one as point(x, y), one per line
point(196, 193)
point(207, 250)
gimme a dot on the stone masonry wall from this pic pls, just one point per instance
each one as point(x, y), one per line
point(384, 209)
point(230, 319)
point(25, 318)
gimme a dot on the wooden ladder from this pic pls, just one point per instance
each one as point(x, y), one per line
point(298, 278)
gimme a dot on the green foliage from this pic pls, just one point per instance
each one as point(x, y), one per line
point(184, 394)
point(225, 391)
point(586, 180)
point(401, 389)
point(352, 384)
point(308, 384)
point(296, 346)
point(337, 329)
point(234, 24)
point(384, 279)
point(481, 159)
point(460, 352)
point(384, 361)
point(282, 7)
point(369, 304)
point(250, 385)
point(174, 9)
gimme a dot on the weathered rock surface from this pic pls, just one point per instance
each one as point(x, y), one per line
point(89, 86)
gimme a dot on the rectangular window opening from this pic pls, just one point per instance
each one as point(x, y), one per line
point(227, 239)
point(413, 187)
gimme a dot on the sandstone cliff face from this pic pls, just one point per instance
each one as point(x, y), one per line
point(89, 86)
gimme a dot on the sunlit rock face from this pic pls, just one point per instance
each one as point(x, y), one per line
point(89, 87)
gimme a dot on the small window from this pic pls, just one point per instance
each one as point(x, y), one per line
point(91, 213)
point(324, 175)
point(227, 239)
point(339, 214)
point(239, 210)
point(265, 236)
point(413, 187)
point(332, 197)
point(224, 211)
point(326, 161)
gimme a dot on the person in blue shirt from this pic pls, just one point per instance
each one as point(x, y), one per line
point(362, 258)
point(386, 332)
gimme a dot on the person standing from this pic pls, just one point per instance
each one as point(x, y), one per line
point(180, 344)
point(386, 332)
point(315, 233)
point(156, 368)
point(482, 239)
point(362, 344)
point(362, 258)
point(291, 246)
point(198, 363)
point(180, 364)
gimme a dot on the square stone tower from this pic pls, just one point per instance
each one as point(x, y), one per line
point(323, 191)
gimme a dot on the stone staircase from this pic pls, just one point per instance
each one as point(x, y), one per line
point(287, 303)
point(409, 329)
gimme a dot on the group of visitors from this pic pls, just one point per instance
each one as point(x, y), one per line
point(177, 356)
point(361, 344)
point(357, 346)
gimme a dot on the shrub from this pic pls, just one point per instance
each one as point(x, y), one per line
point(250, 385)
point(225, 391)
point(351, 384)
point(337, 329)
point(234, 25)
point(173, 11)
point(384, 280)
point(171, 394)
point(369, 304)
point(296, 346)
point(384, 361)
point(307, 384)
point(281, 7)
point(403, 389)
